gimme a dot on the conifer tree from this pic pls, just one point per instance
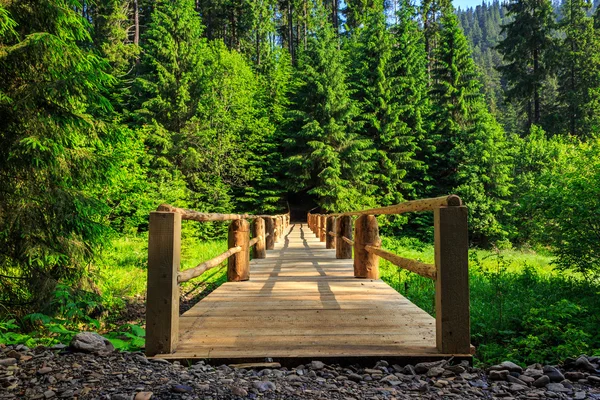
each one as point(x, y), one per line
point(471, 147)
point(409, 80)
point(56, 157)
point(379, 117)
point(324, 155)
point(168, 89)
point(526, 50)
point(579, 70)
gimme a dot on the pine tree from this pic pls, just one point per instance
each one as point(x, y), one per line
point(168, 90)
point(379, 116)
point(526, 50)
point(56, 158)
point(471, 147)
point(325, 157)
point(579, 69)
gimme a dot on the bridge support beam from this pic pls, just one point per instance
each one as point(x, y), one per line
point(330, 227)
point(162, 304)
point(238, 265)
point(270, 231)
point(278, 229)
point(343, 227)
point(318, 225)
point(452, 284)
point(366, 232)
point(322, 235)
point(258, 229)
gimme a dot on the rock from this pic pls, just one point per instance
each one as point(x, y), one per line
point(441, 383)
point(533, 372)
point(498, 375)
point(542, 381)
point(515, 387)
point(389, 378)
point(44, 370)
point(91, 342)
point(373, 371)
point(409, 370)
point(526, 379)
point(557, 387)
point(422, 368)
point(8, 361)
point(294, 378)
point(182, 389)
point(382, 364)
point(48, 394)
point(264, 386)
point(579, 396)
point(574, 376)
point(120, 396)
point(239, 391)
point(512, 379)
point(507, 365)
point(143, 396)
point(594, 380)
point(435, 372)
point(584, 364)
point(457, 369)
point(355, 377)
point(553, 373)
point(478, 384)
point(317, 365)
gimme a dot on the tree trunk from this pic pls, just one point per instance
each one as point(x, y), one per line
point(136, 22)
point(536, 92)
point(290, 31)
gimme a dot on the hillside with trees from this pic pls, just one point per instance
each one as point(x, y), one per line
point(109, 108)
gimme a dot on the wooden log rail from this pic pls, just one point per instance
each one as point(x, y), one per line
point(450, 270)
point(164, 255)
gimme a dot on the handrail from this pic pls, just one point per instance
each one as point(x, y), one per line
point(426, 270)
point(349, 241)
point(205, 217)
point(254, 241)
point(333, 234)
point(408, 206)
point(201, 268)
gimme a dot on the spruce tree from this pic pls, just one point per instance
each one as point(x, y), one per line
point(168, 90)
point(409, 85)
point(526, 50)
point(379, 117)
point(56, 158)
point(325, 157)
point(471, 148)
point(579, 70)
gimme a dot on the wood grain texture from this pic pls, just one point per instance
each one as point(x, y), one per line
point(329, 229)
point(270, 233)
point(410, 206)
point(366, 233)
point(238, 265)
point(451, 244)
point(343, 228)
point(323, 226)
point(426, 270)
point(258, 231)
point(201, 268)
point(162, 306)
point(303, 302)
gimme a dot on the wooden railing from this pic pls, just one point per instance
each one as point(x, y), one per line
point(164, 252)
point(450, 271)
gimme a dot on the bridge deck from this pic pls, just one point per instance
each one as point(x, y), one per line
point(303, 303)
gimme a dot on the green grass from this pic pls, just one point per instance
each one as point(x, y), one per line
point(522, 309)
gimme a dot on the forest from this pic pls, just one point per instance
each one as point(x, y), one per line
point(109, 108)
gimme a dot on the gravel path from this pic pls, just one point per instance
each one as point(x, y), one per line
point(46, 373)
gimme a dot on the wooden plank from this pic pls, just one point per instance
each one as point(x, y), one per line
point(302, 302)
point(451, 245)
point(426, 270)
point(162, 306)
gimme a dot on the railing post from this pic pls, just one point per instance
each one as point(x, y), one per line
point(317, 231)
point(162, 298)
point(452, 284)
point(238, 265)
point(270, 229)
point(323, 226)
point(258, 229)
point(330, 227)
point(278, 229)
point(366, 232)
point(343, 227)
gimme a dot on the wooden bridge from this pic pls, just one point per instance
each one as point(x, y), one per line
point(302, 296)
